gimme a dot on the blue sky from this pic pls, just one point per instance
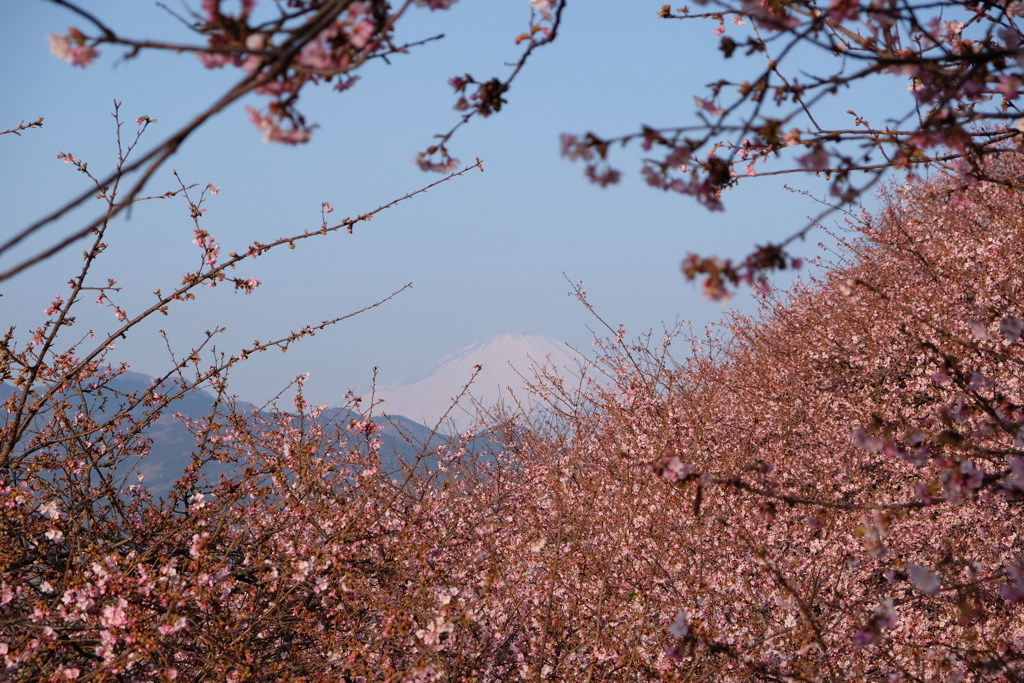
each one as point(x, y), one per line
point(485, 252)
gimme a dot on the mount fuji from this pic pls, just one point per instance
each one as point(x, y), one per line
point(507, 362)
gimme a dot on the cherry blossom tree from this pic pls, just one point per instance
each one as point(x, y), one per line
point(962, 62)
point(88, 551)
point(281, 52)
point(849, 468)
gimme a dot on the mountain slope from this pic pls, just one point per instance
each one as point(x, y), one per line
point(506, 361)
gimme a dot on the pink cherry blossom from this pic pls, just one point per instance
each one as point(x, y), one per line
point(72, 49)
point(434, 4)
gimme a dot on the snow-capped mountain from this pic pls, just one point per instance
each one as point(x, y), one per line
point(506, 362)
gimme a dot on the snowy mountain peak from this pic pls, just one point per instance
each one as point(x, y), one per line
point(506, 361)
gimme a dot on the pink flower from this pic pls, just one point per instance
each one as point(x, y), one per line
point(214, 60)
point(884, 617)
point(72, 48)
point(608, 176)
point(979, 331)
point(866, 636)
point(60, 47)
point(815, 160)
point(867, 442)
point(212, 254)
point(841, 10)
point(713, 289)
point(1009, 86)
point(1011, 592)
point(256, 42)
point(272, 131)
point(980, 382)
point(575, 149)
point(679, 627)
point(247, 287)
point(360, 34)
point(708, 106)
point(875, 527)
point(926, 582)
point(426, 164)
point(677, 470)
point(55, 306)
point(1013, 486)
point(114, 616)
point(50, 510)
point(434, 4)
point(437, 631)
point(168, 629)
point(1012, 327)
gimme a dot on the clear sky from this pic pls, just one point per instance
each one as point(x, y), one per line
point(485, 252)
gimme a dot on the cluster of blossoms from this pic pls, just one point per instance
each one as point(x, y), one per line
point(210, 247)
point(328, 57)
point(486, 97)
point(73, 48)
point(721, 275)
point(963, 66)
point(309, 47)
point(446, 165)
point(318, 43)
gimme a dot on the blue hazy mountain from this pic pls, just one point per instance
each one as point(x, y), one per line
point(173, 445)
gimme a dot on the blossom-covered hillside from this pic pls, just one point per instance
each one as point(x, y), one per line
point(853, 463)
point(830, 493)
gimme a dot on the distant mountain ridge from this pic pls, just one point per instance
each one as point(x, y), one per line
point(409, 411)
point(173, 445)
